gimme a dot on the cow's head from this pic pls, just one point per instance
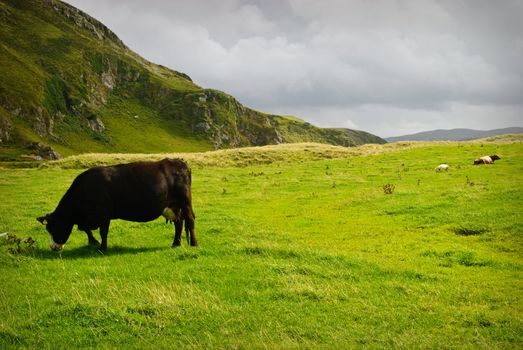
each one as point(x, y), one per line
point(60, 230)
point(495, 157)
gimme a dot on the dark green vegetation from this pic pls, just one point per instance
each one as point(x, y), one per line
point(304, 254)
point(67, 81)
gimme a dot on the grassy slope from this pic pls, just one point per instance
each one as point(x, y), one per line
point(301, 254)
point(54, 77)
point(49, 62)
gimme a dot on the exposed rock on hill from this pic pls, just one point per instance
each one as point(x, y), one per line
point(68, 82)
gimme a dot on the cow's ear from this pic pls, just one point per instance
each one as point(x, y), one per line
point(43, 219)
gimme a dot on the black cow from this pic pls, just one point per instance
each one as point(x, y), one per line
point(140, 191)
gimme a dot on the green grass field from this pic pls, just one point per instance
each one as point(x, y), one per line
point(299, 251)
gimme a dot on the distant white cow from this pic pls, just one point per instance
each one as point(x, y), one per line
point(442, 167)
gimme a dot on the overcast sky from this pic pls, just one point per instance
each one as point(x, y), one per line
point(390, 67)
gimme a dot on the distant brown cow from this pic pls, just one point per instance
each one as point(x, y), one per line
point(140, 191)
point(486, 160)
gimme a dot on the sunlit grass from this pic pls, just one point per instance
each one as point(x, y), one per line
point(299, 248)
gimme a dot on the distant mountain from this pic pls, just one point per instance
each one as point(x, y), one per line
point(454, 134)
point(69, 85)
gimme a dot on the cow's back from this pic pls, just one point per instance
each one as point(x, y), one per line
point(137, 191)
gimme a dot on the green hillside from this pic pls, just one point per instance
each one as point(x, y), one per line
point(68, 82)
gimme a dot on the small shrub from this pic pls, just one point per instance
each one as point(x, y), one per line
point(468, 231)
point(17, 245)
point(389, 188)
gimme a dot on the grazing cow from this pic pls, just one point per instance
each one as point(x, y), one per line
point(442, 167)
point(486, 159)
point(140, 191)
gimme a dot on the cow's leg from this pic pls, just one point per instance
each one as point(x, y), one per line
point(92, 240)
point(189, 225)
point(178, 223)
point(104, 230)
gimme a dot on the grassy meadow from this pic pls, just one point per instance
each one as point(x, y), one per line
point(300, 247)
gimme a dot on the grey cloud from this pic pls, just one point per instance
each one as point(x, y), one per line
point(383, 66)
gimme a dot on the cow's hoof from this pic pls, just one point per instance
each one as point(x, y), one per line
point(95, 244)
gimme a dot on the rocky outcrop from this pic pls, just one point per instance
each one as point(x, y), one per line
point(227, 123)
point(38, 149)
point(83, 20)
point(95, 124)
point(6, 130)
